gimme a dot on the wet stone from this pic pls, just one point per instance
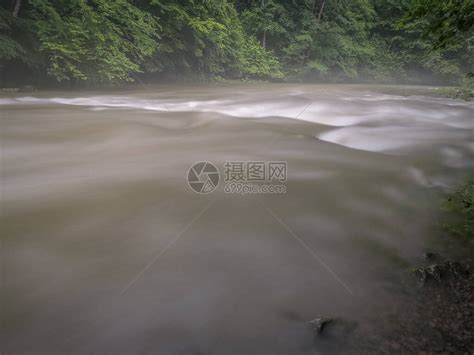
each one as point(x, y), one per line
point(429, 255)
point(318, 324)
point(437, 272)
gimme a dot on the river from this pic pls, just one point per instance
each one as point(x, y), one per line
point(106, 248)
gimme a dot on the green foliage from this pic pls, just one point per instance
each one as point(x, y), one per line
point(15, 41)
point(206, 37)
point(444, 36)
point(100, 41)
point(333, 44)
point(9, 47)
point(461, 205)
point(110, 41)
point(200, 36)
point(268, 21)
point(444, 22)
point(464, 91)
point(257, 62)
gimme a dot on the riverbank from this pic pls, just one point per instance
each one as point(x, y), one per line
point(436, 316)
point(465, 90)
point(401, 89)
point(440, 319)
point(460, 92)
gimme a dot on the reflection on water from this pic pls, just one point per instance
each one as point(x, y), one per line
point(106, 250)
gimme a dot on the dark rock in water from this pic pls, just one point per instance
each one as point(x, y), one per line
point(455, 268)
point(431, 256)
point(332, 335)
point(318, 324)
point(432, 272)
point(437, 272)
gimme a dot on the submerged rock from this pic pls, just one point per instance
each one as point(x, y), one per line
point(437, 272)
point(429, 255)
point(318, 324)
point(331, 335)
point(456, 269)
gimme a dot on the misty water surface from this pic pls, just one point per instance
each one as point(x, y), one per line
point(106, 249)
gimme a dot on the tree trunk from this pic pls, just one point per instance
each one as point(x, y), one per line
point(264, 36)
point(16, 9)
point(321, 10)
point(313, 9)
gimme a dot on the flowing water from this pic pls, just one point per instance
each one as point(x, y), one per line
point(107, 250)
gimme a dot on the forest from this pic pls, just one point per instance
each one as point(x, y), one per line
point(101, 42)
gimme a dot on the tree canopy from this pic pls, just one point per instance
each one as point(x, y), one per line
point(114, 41)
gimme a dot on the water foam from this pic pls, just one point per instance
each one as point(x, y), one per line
point(367, 121)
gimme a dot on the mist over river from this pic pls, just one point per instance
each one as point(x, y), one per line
point(107, 250)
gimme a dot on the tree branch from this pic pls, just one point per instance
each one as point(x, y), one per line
point(16, 9)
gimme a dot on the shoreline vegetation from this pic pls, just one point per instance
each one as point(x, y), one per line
point(460, 205)
point(437, 316)
point(457, 92)
point(441, 320)
point(88, 44)
point(464, 92)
